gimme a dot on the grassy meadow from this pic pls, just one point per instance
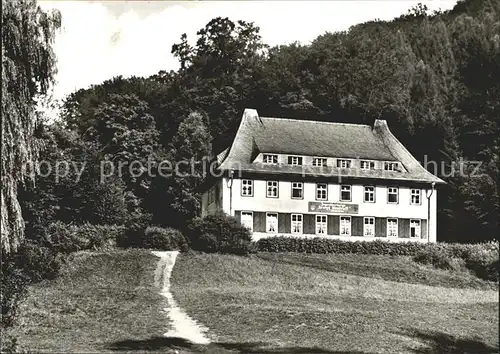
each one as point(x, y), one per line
point(265, 303)
point(99, 299)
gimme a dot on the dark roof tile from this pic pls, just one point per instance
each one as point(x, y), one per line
point(323, 139)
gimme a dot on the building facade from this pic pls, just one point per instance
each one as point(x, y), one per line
point(319, 179)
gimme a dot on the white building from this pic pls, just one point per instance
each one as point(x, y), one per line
point(307, 178)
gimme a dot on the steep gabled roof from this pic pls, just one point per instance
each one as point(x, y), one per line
point(312, 138)
point(324, 139)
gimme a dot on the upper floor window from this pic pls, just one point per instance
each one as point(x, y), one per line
point(390, 166)
point(272, 189)
point(319, 161)
point(270, 158)
point(321, 224)
point(321, 191)
point(392, 195)
point(297, 190)
point(415, 228)
point(392, 227)
point(345, 193)
point(415, 197)
point(369, 194)
point(369, 226)
point(296, 223)
point(247, 188)
point(343, 163)
point(367, 165)
point(295, 160)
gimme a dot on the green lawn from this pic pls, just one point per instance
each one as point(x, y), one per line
point(266, 303)
point(99, 299)
point(290, 303)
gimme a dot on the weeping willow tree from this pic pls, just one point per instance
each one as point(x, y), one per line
point(28, 68)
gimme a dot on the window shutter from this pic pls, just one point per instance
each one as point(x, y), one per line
point(309, 224)
point(404, 228)
point(380, 227)
point(423, 229)
point(284, 220)
point(357, 226)
point(259, 221)
point(333, 225)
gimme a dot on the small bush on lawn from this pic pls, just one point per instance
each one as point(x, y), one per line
point(220, 233)
point(167, 239)
point(67, 238)
point(483, 262)
point(206, 242)
point(439, 257)
point(31, 263)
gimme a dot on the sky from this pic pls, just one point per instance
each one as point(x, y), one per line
point(103, 39)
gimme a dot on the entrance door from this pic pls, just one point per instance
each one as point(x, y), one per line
point(247, 219)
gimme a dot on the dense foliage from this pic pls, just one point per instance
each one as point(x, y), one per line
point(28, 66)
point(433, 77)
point(153, 237)
point(219, 233)
point(165, 239)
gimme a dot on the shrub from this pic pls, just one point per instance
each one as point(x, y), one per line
point(220, 233)
point(438, 257)
point(38, 262)
point(131, 237)
point(134, 231)
point(206, 242)
point(483, 262)
point(67, 238)
point(31, 263)
point(325, 245)
point(14, 286)
point(167, 239)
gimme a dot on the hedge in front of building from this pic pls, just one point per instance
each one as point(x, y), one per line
point(480, 258)
point(326, 245)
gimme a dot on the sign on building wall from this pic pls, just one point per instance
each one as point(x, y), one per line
point(334, 208)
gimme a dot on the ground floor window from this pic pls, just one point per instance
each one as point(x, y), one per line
point(345, 225)
point(369, 226)
point(247, 219)
point(272, 222)
point(296, 223)
point(392, 227)
point(321, 224)
point(415, 228)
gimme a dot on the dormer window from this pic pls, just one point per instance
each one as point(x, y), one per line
point(390, 166)
point(270, 158)
point(367, 165)
point(343, 163)
point(295, 160)
point(319, 161)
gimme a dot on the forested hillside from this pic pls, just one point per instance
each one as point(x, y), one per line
point(435, 77)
